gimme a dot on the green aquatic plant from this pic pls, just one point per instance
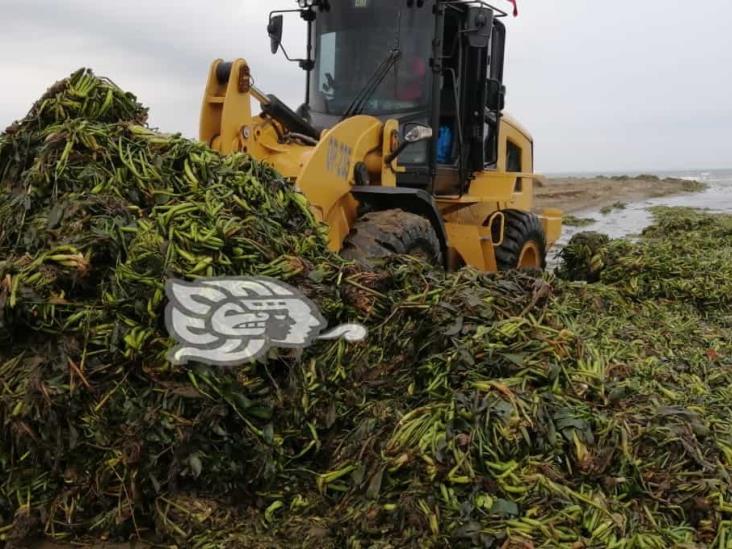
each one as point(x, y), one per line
point(493, 410)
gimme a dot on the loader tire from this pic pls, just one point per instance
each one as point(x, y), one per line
point(524, 243)
point(381, 234)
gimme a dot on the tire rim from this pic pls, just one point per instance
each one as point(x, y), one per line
point(530, 257)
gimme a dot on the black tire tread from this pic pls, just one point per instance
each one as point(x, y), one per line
point(380, 234)
point(521, 228)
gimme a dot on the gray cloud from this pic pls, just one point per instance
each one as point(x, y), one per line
point(602, 85)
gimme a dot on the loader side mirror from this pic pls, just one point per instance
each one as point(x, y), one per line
point(496, 96)
point(274, 29)
point(415, 133)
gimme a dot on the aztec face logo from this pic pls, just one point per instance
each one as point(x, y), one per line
point(230, 321)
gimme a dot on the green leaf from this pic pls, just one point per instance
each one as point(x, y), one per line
point(196, 465)
point(505, 508)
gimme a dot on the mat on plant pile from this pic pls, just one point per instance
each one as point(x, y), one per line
point(483, 410)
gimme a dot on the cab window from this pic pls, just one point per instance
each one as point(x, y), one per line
point(513, 158)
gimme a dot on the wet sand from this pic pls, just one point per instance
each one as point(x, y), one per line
point(574, 194)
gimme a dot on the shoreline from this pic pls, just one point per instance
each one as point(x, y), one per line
point(577, 194)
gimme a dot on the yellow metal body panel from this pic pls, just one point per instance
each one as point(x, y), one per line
point(494, 190)
point(474, 244)
point(552, 220)
point(325, 173)
point(224, 105)
point(328, 175)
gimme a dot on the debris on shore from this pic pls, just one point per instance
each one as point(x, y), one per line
point(483, 411)
point(574, 221)
point(578, 195)
point(612, 207)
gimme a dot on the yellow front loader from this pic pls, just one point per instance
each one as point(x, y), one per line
point(402, 145)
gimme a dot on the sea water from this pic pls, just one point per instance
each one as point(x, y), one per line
point(631, 221)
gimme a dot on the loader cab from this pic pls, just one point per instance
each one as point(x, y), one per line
point(372, 57)
point(471, 96)
point(433, 62)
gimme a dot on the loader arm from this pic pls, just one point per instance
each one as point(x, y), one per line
point(323, 169)
point(327, 178)
point(228, 124)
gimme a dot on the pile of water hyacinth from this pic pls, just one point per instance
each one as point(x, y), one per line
point(482, 411)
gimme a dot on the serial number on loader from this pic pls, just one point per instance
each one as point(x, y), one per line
point(339, 158)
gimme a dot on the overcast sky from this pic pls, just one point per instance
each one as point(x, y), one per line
point(603, 85)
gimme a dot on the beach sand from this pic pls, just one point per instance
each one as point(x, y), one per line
point(572, 194)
